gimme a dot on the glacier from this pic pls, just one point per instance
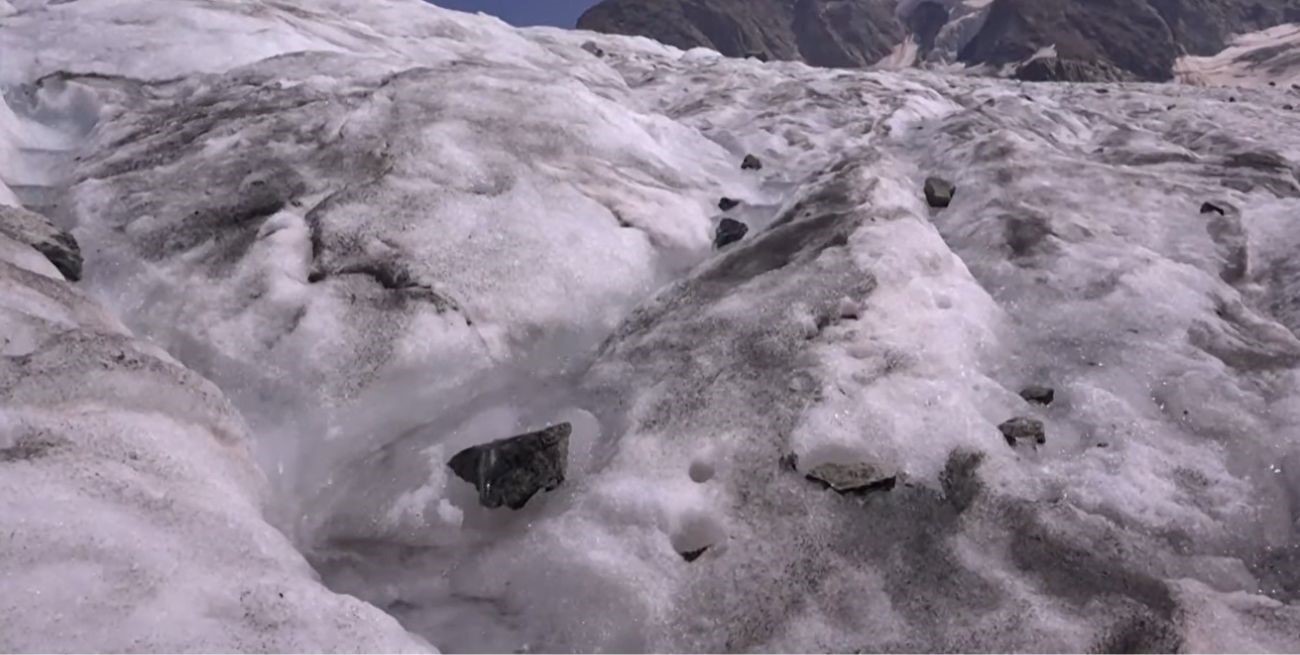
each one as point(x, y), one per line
point(329, 244)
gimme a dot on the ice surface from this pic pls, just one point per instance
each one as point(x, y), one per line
point(131, 508)
point(389, 231)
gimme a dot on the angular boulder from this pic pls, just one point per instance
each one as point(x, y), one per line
point(1023, 429)
point(728, 204)
point(939, 192)
point(729, 231)
point(1211, 208)
point(511, 471)
point(853, 478)
point(751, 163)
point(1038, 394)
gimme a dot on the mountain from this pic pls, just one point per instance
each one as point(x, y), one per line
point(1092, 40)
point(768, 357)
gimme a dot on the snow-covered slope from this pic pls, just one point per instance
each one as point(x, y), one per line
point(389, 231)
point(1254, 59)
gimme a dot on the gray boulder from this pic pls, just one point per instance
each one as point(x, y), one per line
point(939, 192)
point(511, 471)
point(853, 478)
point(1023, 429)
point(1038, 394)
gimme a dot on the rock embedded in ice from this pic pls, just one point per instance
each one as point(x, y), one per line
point(692, 555)
point(727, 204)
point(729, 231)
point(939, 192)
point(1038, 394)
point(751, 163)
point(36, 231)
point(1209, 207)
point(511, 471)
point(590, 46)
point(853, 478)
point(1023, 428)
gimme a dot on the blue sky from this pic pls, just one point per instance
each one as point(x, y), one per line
point(563, 13)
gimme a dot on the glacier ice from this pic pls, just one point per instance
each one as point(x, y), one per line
point(387, 232)
point(130, 505)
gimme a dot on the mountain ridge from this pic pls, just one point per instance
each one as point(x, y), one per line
point(1096, 40)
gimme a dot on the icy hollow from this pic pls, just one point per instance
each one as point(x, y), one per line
point(346, 240)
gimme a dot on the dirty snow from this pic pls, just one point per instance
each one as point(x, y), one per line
point(388, 231)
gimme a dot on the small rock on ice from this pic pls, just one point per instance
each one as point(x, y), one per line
point(729, 231)
point(1038, 394)
point(939, 192)
point(510, 471)
point(855, 478)
point(1023, 428)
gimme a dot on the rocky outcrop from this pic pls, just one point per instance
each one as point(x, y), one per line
point(1055, 69)
point(849, 34)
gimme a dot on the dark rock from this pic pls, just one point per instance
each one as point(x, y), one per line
point(1038, 394)
point(692, 555)
point(1232, 98)
point(1209, 207)
point(728, 204)
point(510, 471)
point(939, 192)
point(1053, 69)
point(925, 22)
point(1272, 83)
point(729, 231)
point(1288, 107)
point(855, 478)
point(35, 230)
point(1023, 428)
point(590, 46)
point(751, 163)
